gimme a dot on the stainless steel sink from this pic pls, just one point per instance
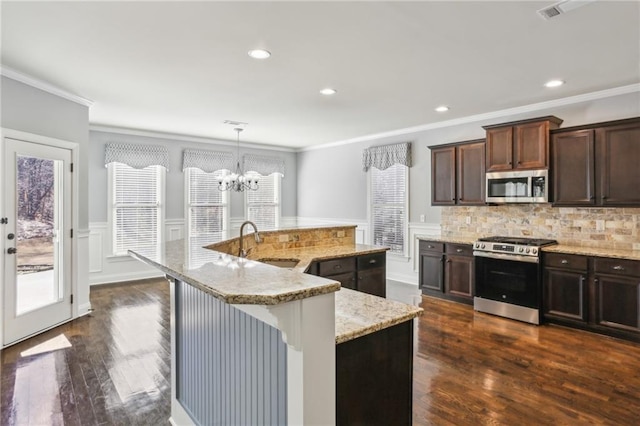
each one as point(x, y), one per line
point(281, 263)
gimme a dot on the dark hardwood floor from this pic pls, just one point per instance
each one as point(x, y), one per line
point(113, 367)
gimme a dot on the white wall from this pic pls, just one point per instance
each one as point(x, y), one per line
point(332, 186)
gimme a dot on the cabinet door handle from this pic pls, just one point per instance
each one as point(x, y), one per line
point(372, 261)
point(459, 250)
point(618, 268)
point(564, 261)
point(582, 278)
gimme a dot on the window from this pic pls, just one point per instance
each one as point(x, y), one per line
point(137, 208)
point(389, 207)
point(263, 205)
point(207, 207)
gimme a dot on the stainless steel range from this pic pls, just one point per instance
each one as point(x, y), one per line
point(509, 277)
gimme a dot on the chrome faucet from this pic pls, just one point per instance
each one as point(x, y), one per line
point(242, 252)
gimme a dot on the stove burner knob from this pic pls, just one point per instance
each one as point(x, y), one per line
point(528, 251)
point(521, 250)
point(534, 251)
point(482, 246)
point(477, 245)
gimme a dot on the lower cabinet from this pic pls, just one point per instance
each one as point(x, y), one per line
point(374, 378)
point(594, 293)
point(447, 270)
point(366, 273)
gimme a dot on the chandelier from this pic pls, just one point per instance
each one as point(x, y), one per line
point(238, 181)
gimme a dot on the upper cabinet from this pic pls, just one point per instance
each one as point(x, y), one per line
point(519, 145)
point(457, 174)
point(597, 166)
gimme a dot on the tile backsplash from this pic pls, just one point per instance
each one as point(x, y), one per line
point(615, 228)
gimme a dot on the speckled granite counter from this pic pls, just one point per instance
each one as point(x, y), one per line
point(235, 280)
point(453, 240)
point(590, 251)
point(359, 314)
point(244, 281)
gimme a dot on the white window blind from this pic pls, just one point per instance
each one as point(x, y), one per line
point(207, 208)
point(263, 205)
point(137, 208)
point(389, 189)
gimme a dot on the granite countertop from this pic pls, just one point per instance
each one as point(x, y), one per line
point(244, 281)
point(306, 255)
point(359, 314)
point(453, 240)
point(591, 251)
point(235, 280)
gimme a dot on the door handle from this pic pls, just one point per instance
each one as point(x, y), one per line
point(12, 250)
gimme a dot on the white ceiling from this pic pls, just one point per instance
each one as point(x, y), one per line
point(182, 67)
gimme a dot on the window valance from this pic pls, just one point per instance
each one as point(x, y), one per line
point(385, 156)
point(208, 161)
point(137, 156)
point(263, 165)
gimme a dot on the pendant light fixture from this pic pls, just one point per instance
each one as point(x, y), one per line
point(238, 181)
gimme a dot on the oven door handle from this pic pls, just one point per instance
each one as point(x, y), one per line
point(512, 257)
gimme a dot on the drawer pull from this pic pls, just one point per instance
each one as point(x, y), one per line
point(564, 261)
point(459, 250)
point(429, 246)
point(618, 268)
point(337, 267)
point(372, 261)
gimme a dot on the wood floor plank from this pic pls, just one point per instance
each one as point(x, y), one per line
point(469, 368)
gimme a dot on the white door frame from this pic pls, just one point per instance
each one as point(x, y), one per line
point(75, 156)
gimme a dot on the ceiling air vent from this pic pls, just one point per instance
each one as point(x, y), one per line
point(562, 7)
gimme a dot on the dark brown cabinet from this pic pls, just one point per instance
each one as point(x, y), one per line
point(366, 273)
point(617, 294)
point(597, 166)
point(431, 266)
point(565, 287)
point(457, 174)
point(459, 270)
point(595, 293)
point(447, 270)
point(519, 145)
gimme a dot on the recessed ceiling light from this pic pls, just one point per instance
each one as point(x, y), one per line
point(442, 108)
point(328, 91)
point(259, 53)
point(554, 83)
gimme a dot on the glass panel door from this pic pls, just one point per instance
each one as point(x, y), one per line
point(37, 245)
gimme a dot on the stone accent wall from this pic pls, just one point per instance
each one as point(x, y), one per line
point(615, 228)
point(292, 238)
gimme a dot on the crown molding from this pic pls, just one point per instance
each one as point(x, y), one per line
point(602, 94)
point(43, 85)
point(185, 138)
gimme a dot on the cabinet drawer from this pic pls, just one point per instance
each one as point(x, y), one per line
point(630, 268)
point(337, 266)
point(431, 246)
point(460, 249)
point(370, 261)
point(568, 261)
point(347, 280)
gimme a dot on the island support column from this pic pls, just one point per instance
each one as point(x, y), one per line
point(229, 362)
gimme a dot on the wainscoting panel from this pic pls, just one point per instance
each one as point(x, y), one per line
point(230, 367)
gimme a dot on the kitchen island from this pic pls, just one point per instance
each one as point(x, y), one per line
point(255, 343)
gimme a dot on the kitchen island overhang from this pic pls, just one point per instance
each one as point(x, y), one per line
point(250, 340)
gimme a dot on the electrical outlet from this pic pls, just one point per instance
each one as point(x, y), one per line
point(468, 220)
point(599, 225)
point(283, 238)
point(422, 218)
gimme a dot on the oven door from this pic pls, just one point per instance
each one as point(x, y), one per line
point(508, 281)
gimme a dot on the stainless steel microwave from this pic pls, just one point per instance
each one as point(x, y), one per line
point(526, 186)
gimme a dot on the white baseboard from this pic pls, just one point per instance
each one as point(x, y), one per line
point(126, 276)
